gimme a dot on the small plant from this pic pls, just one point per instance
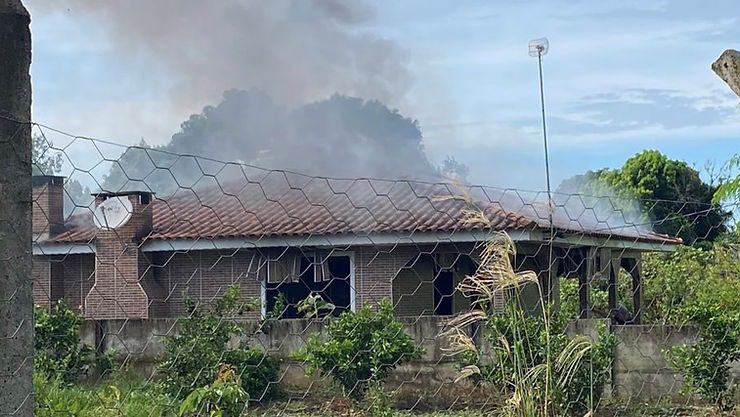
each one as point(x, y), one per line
point(223, 398)
point(360, 349)
point(193, 356)
point(314, 305)
point(59, 353)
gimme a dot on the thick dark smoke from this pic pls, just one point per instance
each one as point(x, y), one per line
point(295, 50)
point(340, 137)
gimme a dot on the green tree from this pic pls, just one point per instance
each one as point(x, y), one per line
point(670, 192)
point(45, 160)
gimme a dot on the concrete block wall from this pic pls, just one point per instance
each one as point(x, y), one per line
point(639, 372)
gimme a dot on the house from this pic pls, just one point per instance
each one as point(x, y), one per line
point(355, 242)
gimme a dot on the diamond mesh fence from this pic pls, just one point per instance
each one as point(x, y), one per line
point(170, 284)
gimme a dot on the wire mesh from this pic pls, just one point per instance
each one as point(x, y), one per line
point(177, 284)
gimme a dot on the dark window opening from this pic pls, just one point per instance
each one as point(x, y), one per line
point(335, 289)
point(444, 287)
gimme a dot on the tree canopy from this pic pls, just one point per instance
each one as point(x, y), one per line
point(339, 136)
point(671, 194)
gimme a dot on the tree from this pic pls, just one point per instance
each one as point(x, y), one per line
point(47, 161)
point(454, 169)
point(340, 136)
point(729, 188)
point(671, 194)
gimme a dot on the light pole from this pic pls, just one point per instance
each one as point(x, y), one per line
point(538, 48)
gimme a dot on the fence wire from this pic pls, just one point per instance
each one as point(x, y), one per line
point(171, 284)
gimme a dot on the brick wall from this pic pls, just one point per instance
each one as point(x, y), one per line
point(117, 292)
point(41, 273)
point(48, 204)
point(204, 275)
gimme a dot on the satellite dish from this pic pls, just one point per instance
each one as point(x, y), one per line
point(113, 213)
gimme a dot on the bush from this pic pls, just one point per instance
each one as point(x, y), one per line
point(224, 398)
point(699, 286)
point(59, 353)
point(192, 357)
point(360, 349)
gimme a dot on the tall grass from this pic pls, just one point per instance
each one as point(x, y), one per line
point(534, 382)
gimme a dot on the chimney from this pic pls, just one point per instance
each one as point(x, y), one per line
point(120, 266)
point(48, 206)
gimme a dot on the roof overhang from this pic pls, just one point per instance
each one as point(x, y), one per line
point(372, 239)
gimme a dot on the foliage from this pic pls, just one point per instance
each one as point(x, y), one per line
point(223, 398)
point(700, 286)
point(528, 358)
point(193, 356)
point(672, 194)
point(729, 188)
point(454, 169)
point(314, 305)
point(673, 283)
point(706, 365)
point(45, 160)
point(339, 136)
point(59, 353)
point(112, 398)
point(360, 348)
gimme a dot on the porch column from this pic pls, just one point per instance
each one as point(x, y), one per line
point(610, 268)
point(585, 273)
point(632, 265)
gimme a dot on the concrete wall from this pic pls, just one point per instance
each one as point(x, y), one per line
point(639, 371)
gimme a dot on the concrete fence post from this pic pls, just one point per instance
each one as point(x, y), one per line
point(16, 304)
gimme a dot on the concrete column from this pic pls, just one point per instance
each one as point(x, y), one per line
point(16, 302)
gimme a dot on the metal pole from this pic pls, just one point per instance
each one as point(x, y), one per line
point(16, 303)
point(544, 134)
point(547, 177)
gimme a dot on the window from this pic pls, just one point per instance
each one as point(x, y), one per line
point(336, 287)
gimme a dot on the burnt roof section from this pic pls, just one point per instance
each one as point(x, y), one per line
point(281, 204)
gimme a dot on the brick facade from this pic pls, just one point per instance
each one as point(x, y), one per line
point(117, 292)
point(48, 205)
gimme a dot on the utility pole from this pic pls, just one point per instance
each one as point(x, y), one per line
point(16, 302)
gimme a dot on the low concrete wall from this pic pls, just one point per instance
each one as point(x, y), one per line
point(640, 369)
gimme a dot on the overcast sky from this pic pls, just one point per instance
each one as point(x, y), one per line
point(621, 76)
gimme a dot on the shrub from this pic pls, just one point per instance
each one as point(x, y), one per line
point(59, 353)
point(192, 357)
point(699, 286)
point(360, 348)
point(223, 398)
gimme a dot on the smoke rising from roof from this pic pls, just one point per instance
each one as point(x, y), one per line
point(294, 50)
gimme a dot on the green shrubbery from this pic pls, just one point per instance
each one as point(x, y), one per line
point(59, 353)
point(193, 357)
point(700, 286)
point(360, 349)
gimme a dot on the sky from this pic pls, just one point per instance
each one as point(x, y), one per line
point(620, 77)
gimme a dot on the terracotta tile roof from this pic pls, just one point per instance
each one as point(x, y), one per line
point(281, 204)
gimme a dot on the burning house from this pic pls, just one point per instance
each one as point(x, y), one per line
point(283, 236)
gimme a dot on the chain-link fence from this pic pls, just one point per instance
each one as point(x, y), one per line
point(172, 284)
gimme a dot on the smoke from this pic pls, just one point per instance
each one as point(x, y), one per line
point(294, 50)
point(591, 203)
